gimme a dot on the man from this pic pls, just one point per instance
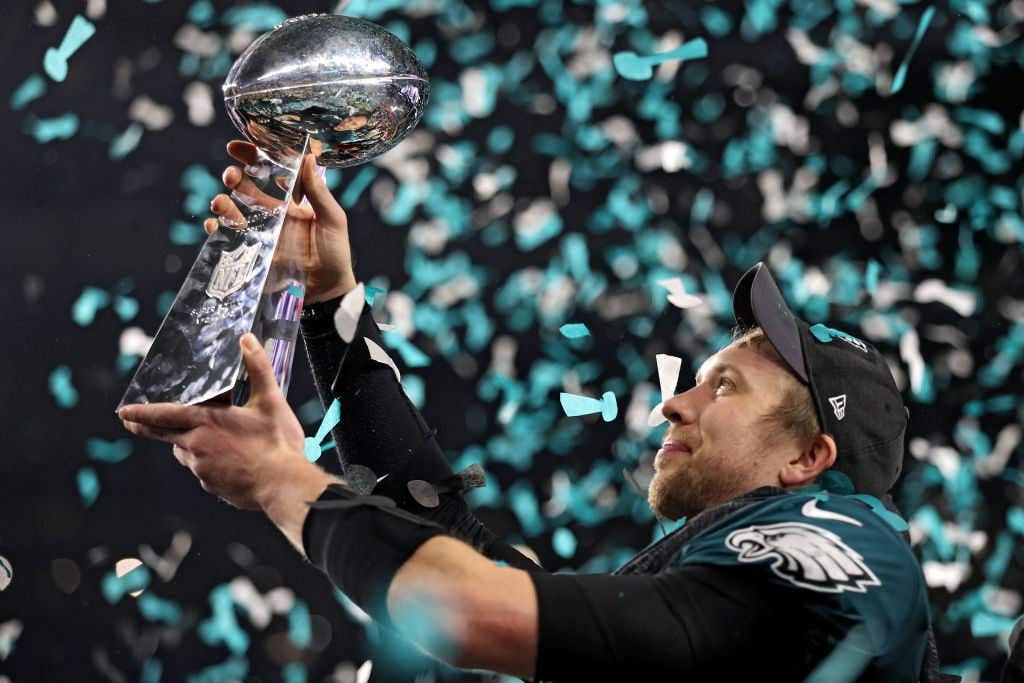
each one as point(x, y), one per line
point(774, 576)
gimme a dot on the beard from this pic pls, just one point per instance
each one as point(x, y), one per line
point(684, 488)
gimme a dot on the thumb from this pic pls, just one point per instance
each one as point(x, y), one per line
point(257, 363)
point(319, 196)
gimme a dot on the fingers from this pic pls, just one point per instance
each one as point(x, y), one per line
point(171, 436)
point(165, 416)
point(223, 206)
point(184, 456)
point(263, 383)
point(243, 151)
point(320, 197)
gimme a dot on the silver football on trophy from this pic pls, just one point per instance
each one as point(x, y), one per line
point(352, 86)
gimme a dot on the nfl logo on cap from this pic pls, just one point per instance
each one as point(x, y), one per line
point(838, 405)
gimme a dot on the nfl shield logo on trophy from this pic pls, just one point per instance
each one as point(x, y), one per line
point(232, 271)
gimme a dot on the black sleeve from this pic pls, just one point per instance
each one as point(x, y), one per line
point(701, 621)
point(381, 429)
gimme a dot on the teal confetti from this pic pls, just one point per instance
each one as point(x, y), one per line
point(200, 187)
point(115, 587)
point(371, 292)
point(152, 670)
point(31, 89)
point(415, 388)
point(157, 609)
point(716, 21)
point(61, 388)
point(222, 628)
point(257, 17)
point(901, 72)
point(108, 451)
point(88, 485)
point(357, 185)
point(985, 625)
point(311, 447)
point(88, 303)
point(300, 629)
point(201, 13)
point(164, 301)
point(564, 542)
point(574, 330)
point(411, 355)
point(183, 233)
point(125, 307)
point(55, 60)
point(871, 274)
point(61, 127)
point(575, 405)
point(233, 669)
point(293, 673)
point(125, 143)
point(636, 68)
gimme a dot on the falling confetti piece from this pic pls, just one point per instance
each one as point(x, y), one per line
point(381, 356)
point(31, 89)
point(108, 451)
point(311, 446)
point(574, 330)
point(55, 61)
point(901, 72)
point(61, 388)
point(636, 68)
point(677, 295)
point(346, 318)
point(669, 368)
point(61, 127)
point(575, 405)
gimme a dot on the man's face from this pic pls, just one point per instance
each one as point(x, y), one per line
point(718, 444)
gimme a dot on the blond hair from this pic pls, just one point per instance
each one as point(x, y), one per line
point(794, 415)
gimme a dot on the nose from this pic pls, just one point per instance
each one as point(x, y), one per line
point(682, 408)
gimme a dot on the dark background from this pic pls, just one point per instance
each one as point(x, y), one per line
point(76, 217)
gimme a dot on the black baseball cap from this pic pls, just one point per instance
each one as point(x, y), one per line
point(852, 388)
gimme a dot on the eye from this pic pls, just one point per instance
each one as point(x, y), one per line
point(723, 383)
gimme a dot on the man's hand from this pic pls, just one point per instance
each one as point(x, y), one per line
point(320, 228)
point(245, 454)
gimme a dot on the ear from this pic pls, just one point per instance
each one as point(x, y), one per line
point(816, 457)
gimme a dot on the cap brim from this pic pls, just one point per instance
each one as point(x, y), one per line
point(757, 301)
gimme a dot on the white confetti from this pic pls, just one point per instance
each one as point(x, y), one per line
point(934, 289)
point(381, 356)
point(9, 633)
point(948, 575)
point(95, 9)
point(134, 342)
point(152, 115)
point(677, 295)
point(198, 97)
point(125, 565)
point(46, 13)
point(346, 318)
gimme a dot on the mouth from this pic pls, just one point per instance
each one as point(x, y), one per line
point(671, 448)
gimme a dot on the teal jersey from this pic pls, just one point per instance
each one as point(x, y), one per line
point(852, 574)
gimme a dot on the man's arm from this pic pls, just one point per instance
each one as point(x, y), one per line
point(381, 429)
point(454, 602)
point(471, 613)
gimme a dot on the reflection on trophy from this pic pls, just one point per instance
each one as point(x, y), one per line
point(342, 89)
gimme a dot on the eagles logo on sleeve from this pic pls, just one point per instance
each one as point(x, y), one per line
point(805, 555)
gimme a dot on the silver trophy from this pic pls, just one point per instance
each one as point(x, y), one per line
point(342, 89)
